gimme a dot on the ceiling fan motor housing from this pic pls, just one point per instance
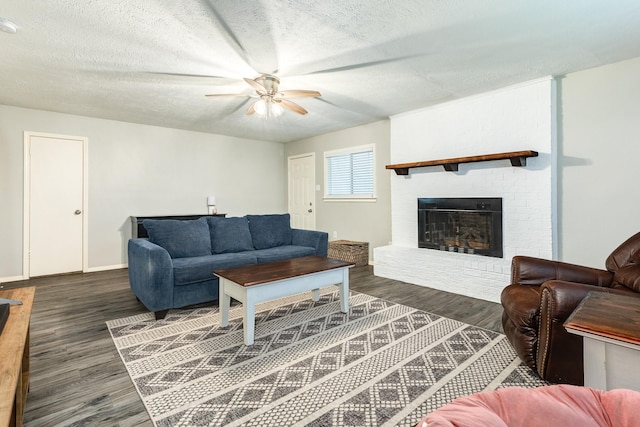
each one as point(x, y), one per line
point(269, 82)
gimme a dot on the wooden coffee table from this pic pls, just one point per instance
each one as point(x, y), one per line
point(257, 283)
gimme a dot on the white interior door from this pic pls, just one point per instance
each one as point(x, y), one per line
point(302, 182)
point(55, 204)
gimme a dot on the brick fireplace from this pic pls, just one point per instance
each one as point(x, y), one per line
point(515, 118)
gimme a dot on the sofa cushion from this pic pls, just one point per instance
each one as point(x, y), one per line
point(199, 269)
point(268, 231)
point(180, 238)
point(229, 234)
point(283, 252)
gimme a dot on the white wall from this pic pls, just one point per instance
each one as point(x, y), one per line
point(513, 119)
point(599, 151)
point(352, 220)
point(138, 170)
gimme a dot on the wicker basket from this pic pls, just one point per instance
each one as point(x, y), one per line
point(346, 250)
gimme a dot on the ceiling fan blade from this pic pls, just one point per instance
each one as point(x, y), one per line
point(234, 41)
point(257, 86)
point(362, 65)
point(251, 109)
point(298, 94)
point(263, 59)
point(231, 94)
point(206, 76)
point(291, 106)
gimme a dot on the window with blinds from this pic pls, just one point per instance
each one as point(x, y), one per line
point(349, 174)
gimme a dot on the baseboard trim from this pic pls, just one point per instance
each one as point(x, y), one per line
point(12, 279)
point(105, 268)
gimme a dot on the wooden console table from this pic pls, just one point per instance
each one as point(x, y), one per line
point(610, 327)
point(14, 363)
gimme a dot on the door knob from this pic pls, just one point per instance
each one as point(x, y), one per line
point(310, 210)
point(77, 212)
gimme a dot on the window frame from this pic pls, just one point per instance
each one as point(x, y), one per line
point(350, 197)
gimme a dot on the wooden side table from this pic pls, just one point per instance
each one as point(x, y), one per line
point(610, 327)
point(14, 363)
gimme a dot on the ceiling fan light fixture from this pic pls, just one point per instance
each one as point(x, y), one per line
point(276, 109)
point(266, 107)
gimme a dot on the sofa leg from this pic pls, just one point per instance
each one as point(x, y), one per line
point(161, 314)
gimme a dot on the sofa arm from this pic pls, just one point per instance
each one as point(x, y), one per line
point(150, 274)
point(559, 356)
point(319, 240)
point(535, 271)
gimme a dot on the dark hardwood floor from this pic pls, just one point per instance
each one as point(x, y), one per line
point(77, 377)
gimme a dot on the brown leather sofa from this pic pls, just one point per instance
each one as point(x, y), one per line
point(542, 295)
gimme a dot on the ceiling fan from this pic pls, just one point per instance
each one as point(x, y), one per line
point(271, 103)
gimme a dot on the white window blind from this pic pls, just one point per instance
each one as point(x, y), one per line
point(349, 173)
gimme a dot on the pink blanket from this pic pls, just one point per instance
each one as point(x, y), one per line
point(549, 406)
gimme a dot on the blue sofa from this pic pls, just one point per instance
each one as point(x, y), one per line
point(174, 267)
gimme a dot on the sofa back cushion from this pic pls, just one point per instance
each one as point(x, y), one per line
point(181, 239)
point(269, 231)
point(229, 235)
point(628, 276)
point(627, 253)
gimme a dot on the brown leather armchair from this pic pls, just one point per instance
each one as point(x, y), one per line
point(544, 293)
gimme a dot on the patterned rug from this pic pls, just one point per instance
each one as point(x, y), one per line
point(383, 364)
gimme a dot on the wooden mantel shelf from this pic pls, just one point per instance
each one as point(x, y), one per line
point(517, 158)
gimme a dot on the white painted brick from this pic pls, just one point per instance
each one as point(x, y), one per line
point(509, 120)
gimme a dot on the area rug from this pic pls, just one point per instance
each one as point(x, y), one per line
point(383, 364)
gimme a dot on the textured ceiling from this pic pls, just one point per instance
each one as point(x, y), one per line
point(152, 61)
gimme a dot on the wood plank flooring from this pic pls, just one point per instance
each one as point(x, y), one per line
point(77, 377)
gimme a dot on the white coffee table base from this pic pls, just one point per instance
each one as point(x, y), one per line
point(249, 296)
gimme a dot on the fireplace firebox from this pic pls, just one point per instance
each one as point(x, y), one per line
point(463, 225)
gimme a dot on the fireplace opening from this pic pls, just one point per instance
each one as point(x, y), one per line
point(463, 225)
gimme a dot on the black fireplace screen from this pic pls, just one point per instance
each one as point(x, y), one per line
point(464, 225)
